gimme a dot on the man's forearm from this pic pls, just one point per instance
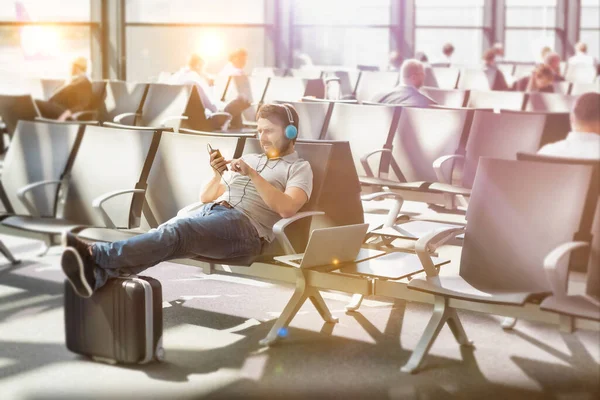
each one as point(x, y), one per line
point(277, 201)
point(212, 190)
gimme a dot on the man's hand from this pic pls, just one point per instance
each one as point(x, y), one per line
point(240, 166)
point(218, 163)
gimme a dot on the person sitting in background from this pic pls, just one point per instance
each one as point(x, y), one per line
point(447, 50)
point(553, 61)
point(545, 51)
point(498, 49)
point(236, 218)
point(494, 75)
point(74, 96)
point(581, 56)
point(395, 61)
point(541, 80)
point(193, 74)
point(236, 64)
point(412, 77)
point(422, 57)
point(584, 139)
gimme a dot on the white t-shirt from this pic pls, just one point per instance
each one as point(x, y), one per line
point(285, 172)
point(582, 58)
point(582, 145)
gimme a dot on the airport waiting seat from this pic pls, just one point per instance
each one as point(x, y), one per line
point(16, 108)
point(371, 83)
point(252, 88)
point(563, 87)
point(514, 221)
point(581, 73)
point(454, 98)
point(293, 89)
point(549, 102)
point(473, 79)
point(122, 97)
point(267, 72)
point(523, 70)
point(305, 73)
point(313, 118)
point(103, 187)
point(442, 77)
point(581, 88)
point(496, 99)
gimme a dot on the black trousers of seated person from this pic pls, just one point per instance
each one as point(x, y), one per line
point(235, 107)
point(49, 109)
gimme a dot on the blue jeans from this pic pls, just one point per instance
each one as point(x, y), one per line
point(213, 231)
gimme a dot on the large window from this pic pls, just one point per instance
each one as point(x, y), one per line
point(457, 22)
point(40, 38)
point(530, 26)
point(590, 26)
point(342, 32)
point(161, 34)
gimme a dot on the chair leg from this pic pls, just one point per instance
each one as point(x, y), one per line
point(6, 252)
point(508, 323)
point(290, 310)
point(355, 303)
point(566, 323)
point(317, 300)
point(46, 244)
point(457, 328)
point(435, 324)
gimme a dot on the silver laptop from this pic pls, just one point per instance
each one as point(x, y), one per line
point(332, 246)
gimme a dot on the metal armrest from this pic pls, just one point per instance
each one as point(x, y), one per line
point(392, 216)
point(187, 209)
point(365, 164)
point(437, 166)
point(430, 243)
point(120, 117)
point(551, 261)
point(279, 228)
point(97, 204)
point(23, 191)
point(163, 122)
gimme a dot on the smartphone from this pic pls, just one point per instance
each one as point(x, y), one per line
point(219, 155)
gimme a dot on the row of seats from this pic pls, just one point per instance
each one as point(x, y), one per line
point(153, 173)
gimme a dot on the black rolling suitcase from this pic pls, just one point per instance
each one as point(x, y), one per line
point(121, 323)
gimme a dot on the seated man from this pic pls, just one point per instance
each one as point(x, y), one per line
point(236, 64)
point(74, 96)
point(541, 80)
point(495, 77)
point(193, 74)
point(236, 219)
point(584, 139)
point(412, 77)
point(552, 60)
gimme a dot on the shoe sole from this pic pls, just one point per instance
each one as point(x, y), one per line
point(72, 266)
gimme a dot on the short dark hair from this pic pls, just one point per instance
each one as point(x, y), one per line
point(448, 49)
point(276, 113)
point(586, 107)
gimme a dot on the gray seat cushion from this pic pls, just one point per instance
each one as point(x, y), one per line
point(456, 287)
point(40, 224)
point(576, 306)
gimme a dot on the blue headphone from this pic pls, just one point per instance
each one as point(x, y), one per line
point(291, 132)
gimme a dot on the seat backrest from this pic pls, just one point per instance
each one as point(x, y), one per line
point(549, 102)
point(563, 87)
point(163, 100)
point(312, 118)
point(581, 73)
point(593, 268)
point(507, 69)
point(454, 98)
point(38, 152)
point(501, 135)
point(523, 70)
point(287, 89)
point(98, 96)
point(49, 86)
point(16, 108)
point(494, 99)
point(250, 87)
point(122, 97)
point(179, 171)
point(267, 71)
point(108, 159)
point(347, 82)
point(442, 77)
point(425, 134)
point(514, 220)
point(365, 127)
point(371, 83)
point(306, 73)
point(473, 79)
point(581, 88)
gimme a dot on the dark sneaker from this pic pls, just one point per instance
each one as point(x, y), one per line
point(78, 265)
